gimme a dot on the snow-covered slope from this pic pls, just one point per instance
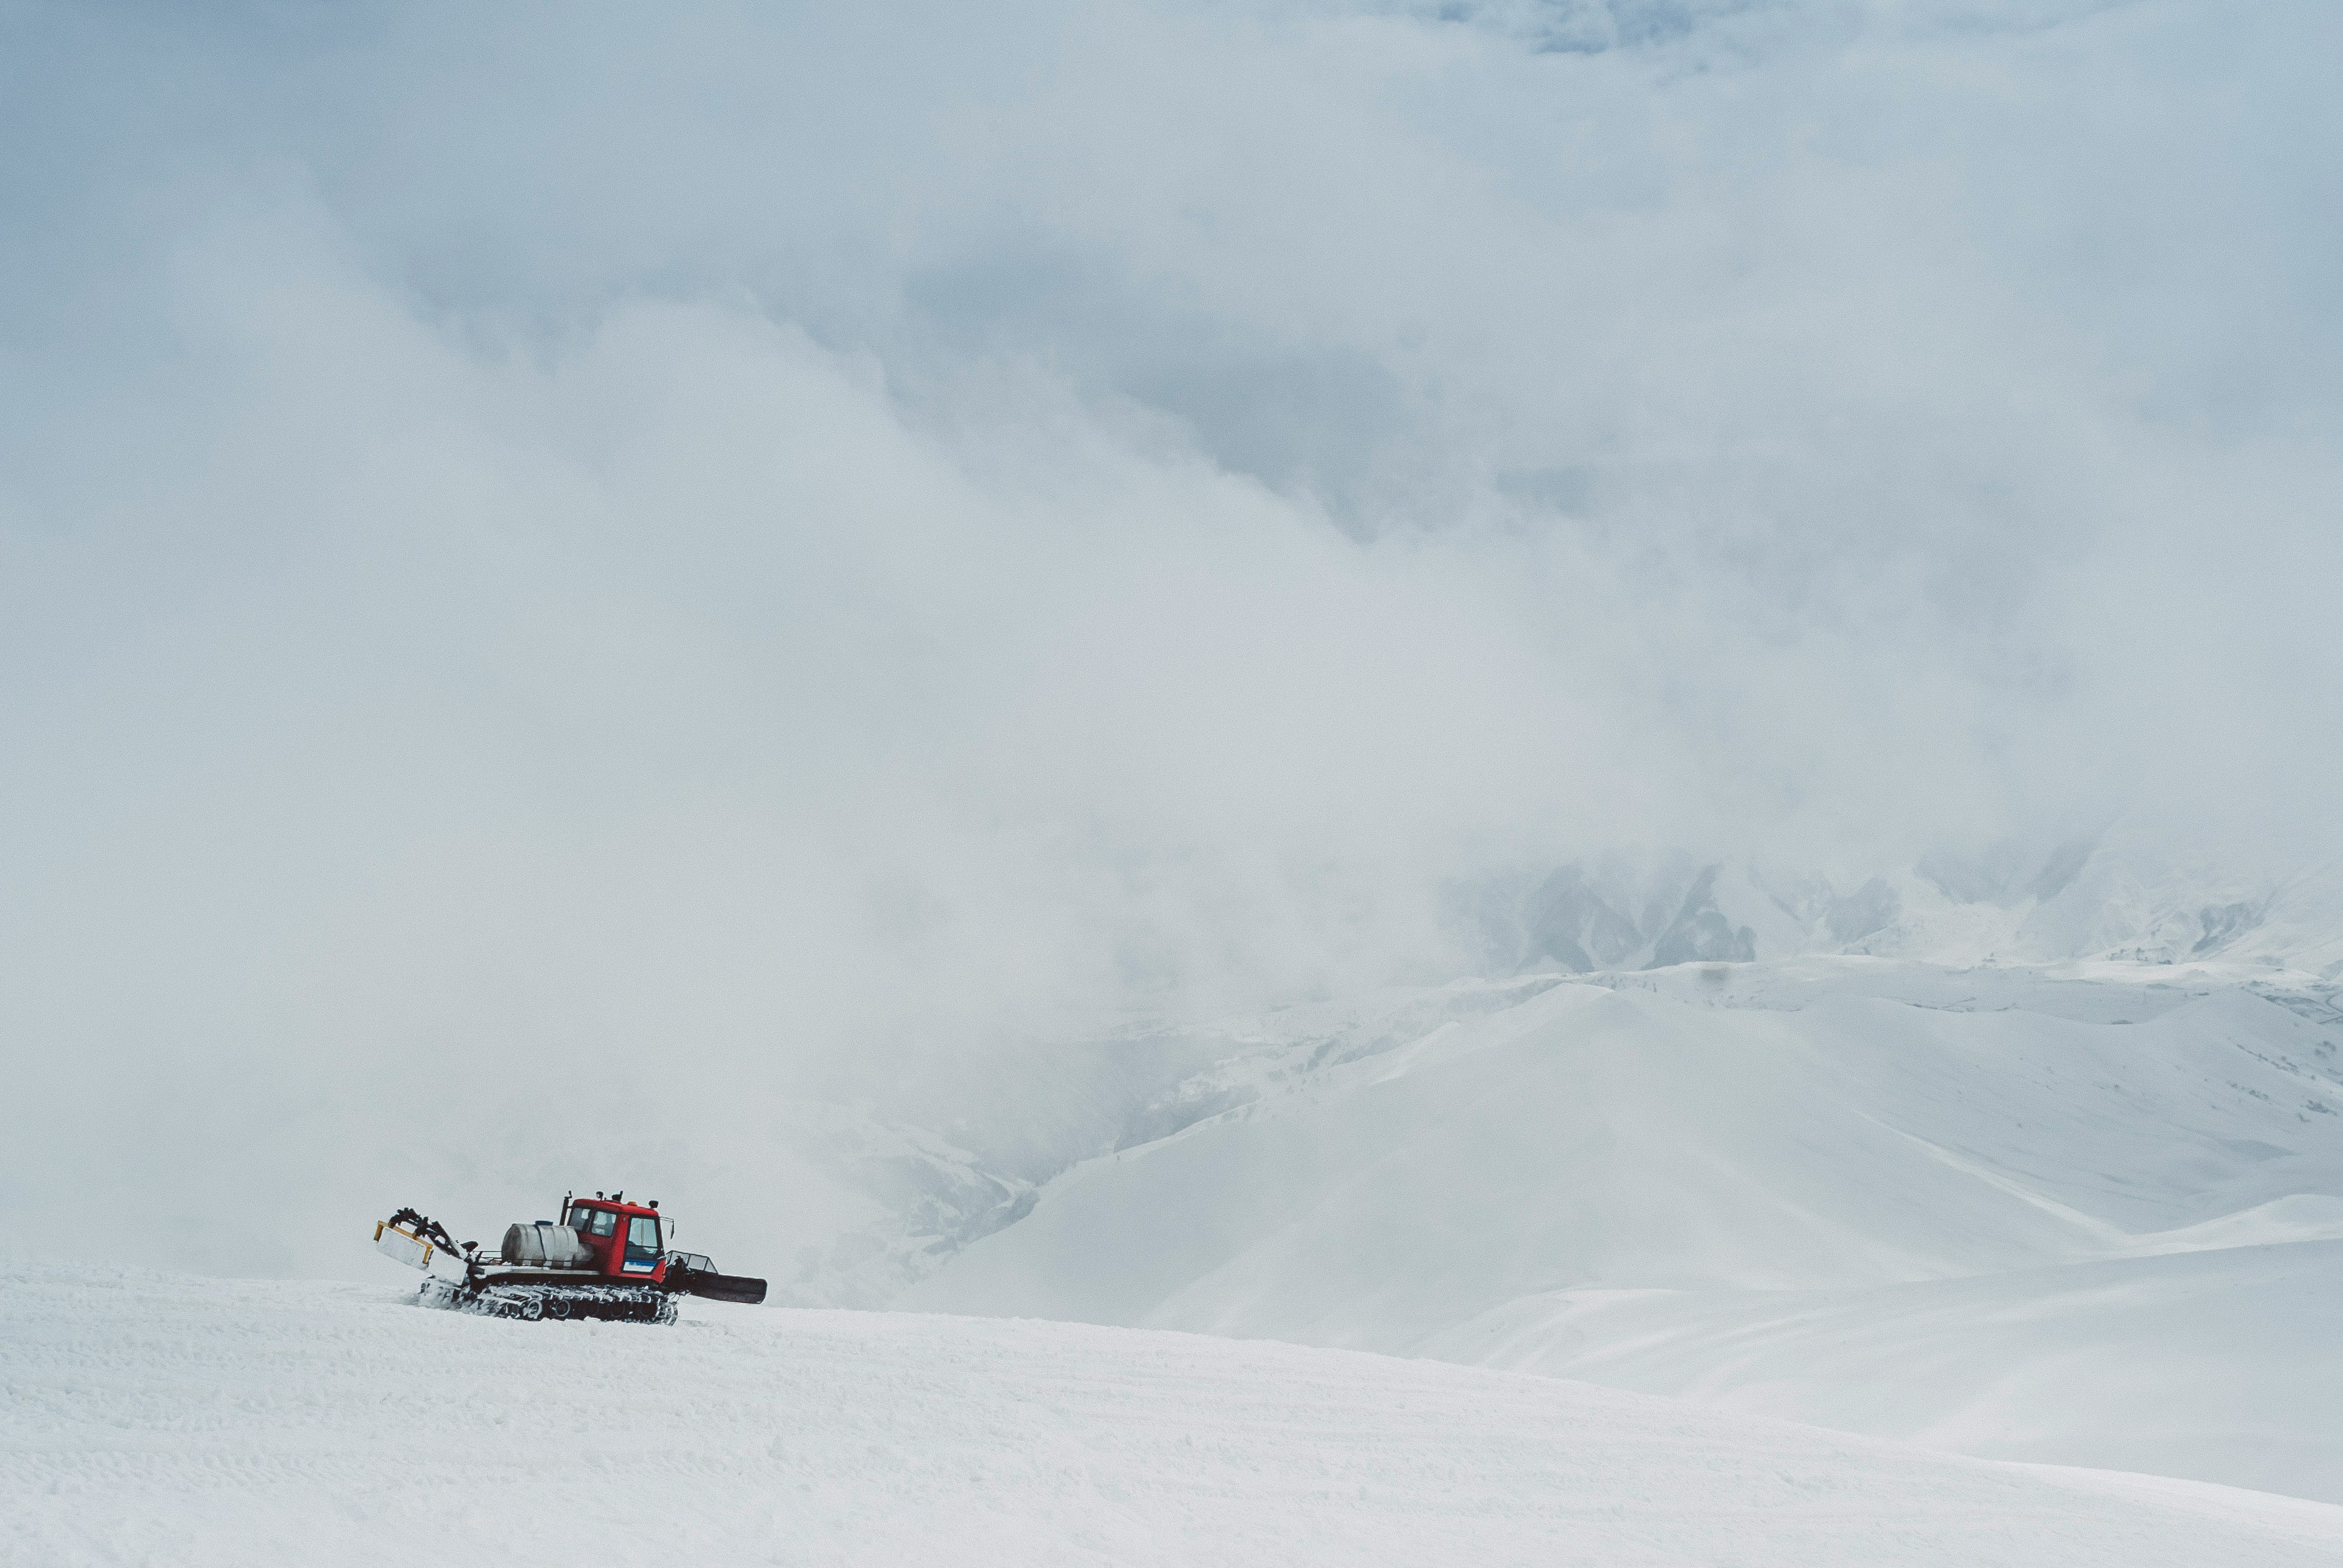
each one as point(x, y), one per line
point(885, 1195)
point(2217, 1364)
point(171, 1422)
point(1791, 1153)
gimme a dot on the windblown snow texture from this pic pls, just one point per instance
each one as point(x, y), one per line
point(160, 1419)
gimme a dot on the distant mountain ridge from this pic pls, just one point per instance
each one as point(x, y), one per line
point(2102, 897)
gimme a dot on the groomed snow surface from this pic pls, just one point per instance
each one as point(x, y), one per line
point(157, 1419)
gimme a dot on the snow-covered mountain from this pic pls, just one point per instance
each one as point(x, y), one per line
point(2006, 1209)
point(161, 1419)
point(957, 1154)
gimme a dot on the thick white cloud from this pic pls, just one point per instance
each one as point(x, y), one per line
point(729, 545)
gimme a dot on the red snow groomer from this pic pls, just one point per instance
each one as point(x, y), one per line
point(605, 1258)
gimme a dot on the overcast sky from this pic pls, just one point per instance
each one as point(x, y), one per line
point(709, 538)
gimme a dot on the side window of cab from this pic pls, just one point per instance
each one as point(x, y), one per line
point(594, 1221)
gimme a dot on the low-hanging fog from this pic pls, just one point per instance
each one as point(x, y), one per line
point(570, 577)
